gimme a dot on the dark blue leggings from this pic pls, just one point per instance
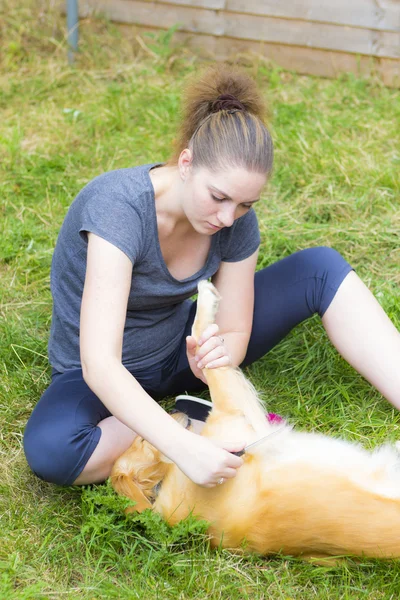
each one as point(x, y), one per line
point(62, 431)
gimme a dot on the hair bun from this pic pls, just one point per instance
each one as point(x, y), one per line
point(226, 102)
point(216, 139)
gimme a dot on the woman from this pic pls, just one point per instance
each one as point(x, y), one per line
point(130, 253)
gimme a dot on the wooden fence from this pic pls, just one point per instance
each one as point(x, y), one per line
point(309, 36)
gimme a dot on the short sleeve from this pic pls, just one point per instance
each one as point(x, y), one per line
point(241, 240)
point(115, 220)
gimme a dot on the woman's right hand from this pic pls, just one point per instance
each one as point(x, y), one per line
point(207, 463)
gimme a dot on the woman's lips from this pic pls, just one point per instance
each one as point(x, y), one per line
point(215, 227)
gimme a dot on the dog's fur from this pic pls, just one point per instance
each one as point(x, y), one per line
point(299, 493)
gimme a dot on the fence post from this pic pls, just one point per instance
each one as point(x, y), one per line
point(72, 28)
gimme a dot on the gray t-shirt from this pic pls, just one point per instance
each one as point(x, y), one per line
point(119, 206)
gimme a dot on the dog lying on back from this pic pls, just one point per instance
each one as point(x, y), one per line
point(299, 493)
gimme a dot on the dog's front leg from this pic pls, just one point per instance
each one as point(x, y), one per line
point(231, 393)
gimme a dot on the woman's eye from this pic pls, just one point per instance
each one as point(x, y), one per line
point(216, 198)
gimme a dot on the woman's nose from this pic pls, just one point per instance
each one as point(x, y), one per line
point(226, 215)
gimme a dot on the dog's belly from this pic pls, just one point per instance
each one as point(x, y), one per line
point(303, 493)
point(377, 471)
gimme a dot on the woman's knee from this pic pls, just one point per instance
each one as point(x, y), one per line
point(55, 459)
point(321, 259)
point(115, 439)
point(40, 454)
point(326, 268)
point(62, 433)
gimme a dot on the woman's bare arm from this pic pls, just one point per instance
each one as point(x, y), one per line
point(103, 313)
point(225, 343)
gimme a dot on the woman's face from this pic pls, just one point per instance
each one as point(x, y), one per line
point(213, 200)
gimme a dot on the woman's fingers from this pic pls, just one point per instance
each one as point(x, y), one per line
point(208, 462)
point(210, 331)
point(216, 358)
point(222, 477)
point(213, 354)
point(211, 351)
point(191, 345)
point(229, 473)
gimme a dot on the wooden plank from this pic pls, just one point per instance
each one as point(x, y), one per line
point(213, 4)
point(249, 27)
point(295, 58)
point(313, 35)
point(302, 60)
point(307, 61)
point(390, 72)
point(383, 15)
point(370, 14)
point(153, 14)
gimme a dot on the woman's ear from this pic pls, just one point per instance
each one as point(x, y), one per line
point(185, 163)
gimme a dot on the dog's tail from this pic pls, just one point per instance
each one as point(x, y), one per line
point(230, 391)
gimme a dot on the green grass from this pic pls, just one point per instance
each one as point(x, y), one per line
point(335, 182)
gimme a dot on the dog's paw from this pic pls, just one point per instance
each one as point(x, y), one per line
point(207, 307)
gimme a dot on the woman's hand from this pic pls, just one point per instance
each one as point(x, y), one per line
point(211, 353)
point(208, 464)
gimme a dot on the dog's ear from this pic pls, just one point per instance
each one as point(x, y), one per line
point(140, 469)
point(136, 473)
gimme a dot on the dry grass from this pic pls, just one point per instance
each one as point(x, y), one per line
point(335, 183)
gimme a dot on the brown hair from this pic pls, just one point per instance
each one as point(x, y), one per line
point(223, 122)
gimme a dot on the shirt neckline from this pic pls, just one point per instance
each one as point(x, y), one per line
point(157, 239)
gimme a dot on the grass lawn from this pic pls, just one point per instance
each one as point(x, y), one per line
point(336, 183)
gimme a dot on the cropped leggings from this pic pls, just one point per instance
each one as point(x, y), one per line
point(62, 431)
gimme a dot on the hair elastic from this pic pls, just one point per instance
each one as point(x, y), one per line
point(225, 102)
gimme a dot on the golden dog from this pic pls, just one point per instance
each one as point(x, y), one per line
point(299, 493)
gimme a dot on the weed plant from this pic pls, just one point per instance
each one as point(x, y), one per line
point(335, 183)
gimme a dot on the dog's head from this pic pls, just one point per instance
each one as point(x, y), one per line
point(139, 471)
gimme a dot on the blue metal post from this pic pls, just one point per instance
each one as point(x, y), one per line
point(72, 28)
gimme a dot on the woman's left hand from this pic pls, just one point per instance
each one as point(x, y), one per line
point(211, 353)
